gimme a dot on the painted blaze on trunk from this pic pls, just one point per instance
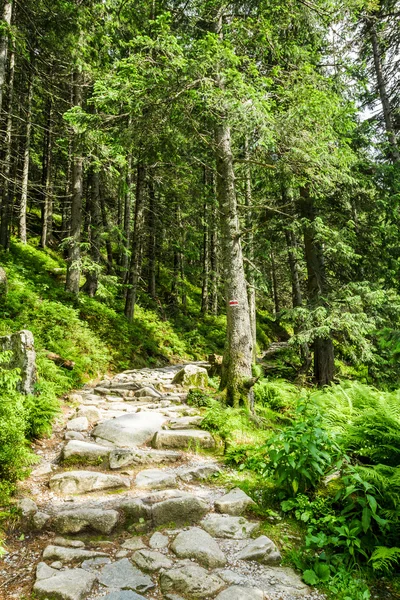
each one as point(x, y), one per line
point(236, 369)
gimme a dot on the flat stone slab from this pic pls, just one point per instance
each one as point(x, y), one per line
point(236, 502)
point(135, 543)
point(81, 482)
point(78, 424)
point(73, 435)
point(130, 430)
point(79, 519)
point(122, 574)
point(147, 392)
point(122, 595)
point(69, 554)
point(155, 479)
point(185, 423)
point(151, 560)
point(262, 550)
point(92, 414)
point(71, 584)
point(281, 581)
point(238, 592)
point(199, 472)
point(189, 439)
point(198, 544)
point(158, 540)
point(225, 526)
point(182, 509)
point(192, 581)
point(85, 451)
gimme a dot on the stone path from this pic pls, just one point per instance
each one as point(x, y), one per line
point(121, 508)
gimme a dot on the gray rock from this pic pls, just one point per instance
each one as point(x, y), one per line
point(57, 564)
point(200, 472)
point(123, 457)
point(196, 543)
point(130, 430)
point(3, 283)
point(231, 577)
point(40, 520)
point(192, 581)
point(80, 482)
point(94, 564)
point(155, 479)
point(189, 439)
point(68, 554)
point(84, 451)
point(281, 581)
point(262, 550)
point(27, 507)
point(225, 526)
point(148, 392)
point(75, 398)
point(78, 424)
point(236, 502)
point(23, 357)
point(236, 592)
point(60, 541)
point(92, 414)
point(122, 595)
point(158, 540)
point(74, 521)
point(150, 560)
point(43, 571)
point(74, 435)
point(123, 575)
point(191, 376)
point(181, 510)
point(185, 423)
point(135, 543)
point(71, 584)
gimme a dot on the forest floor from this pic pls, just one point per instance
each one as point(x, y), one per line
point(126, 504)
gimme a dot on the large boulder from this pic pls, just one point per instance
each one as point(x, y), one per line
point(191, 376)
point(23, 357)
point(130, 430)
point(225, 526)
point(191, 581)
point(71, 584)
point(189, 439)
point(236, 502)
point(79, 519)
point(80, 482)
point(198, 544)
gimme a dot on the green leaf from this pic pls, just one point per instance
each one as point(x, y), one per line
point(310, 577)
point(366, 519)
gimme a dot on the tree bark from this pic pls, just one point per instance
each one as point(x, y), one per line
point(106, 229)
point(92, 274)
point(274, 283)
point(387, 110)
point(316, 289)
point(213, 220)
point(6, 20)
point(151, 278)
point(47, 206)
point(134, 269)
point(25, 169)
point(6, 199)
point(251, 290)
point(291, 242)
point(239, 343)
point(74, 251)
point(205, 255)
point(127, 223)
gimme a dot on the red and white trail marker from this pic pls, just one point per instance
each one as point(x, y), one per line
point(233, 303)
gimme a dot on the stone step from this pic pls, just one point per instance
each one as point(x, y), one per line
point(81, 482)
point(189, 439)
point(130, 430)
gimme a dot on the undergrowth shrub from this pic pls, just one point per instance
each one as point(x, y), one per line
point(278, 394)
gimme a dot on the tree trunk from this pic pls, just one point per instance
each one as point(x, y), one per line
point(251, 290)
point(239, 343)
point(387, 110)
point(297, 297)
point(274, 283)
point(6, 196)
point(316, 289)
point(25, 169)
point(6, 22)
point(213, 220)
point(206, 248)
point(134, 269)
point(151, 278)
point(106, 229)
point(127, 223)
point(47, 206)
point(74, 251)
point(92, 274)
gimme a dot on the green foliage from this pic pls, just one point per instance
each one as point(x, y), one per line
point(198, 398)
point(385, 559)
point(301, 455)
point(278, 394)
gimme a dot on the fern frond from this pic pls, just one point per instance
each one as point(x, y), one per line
point(385, 559)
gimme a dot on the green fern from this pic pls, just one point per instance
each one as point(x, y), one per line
point(385, 559)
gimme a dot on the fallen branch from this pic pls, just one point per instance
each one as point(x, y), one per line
point(61, 362)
